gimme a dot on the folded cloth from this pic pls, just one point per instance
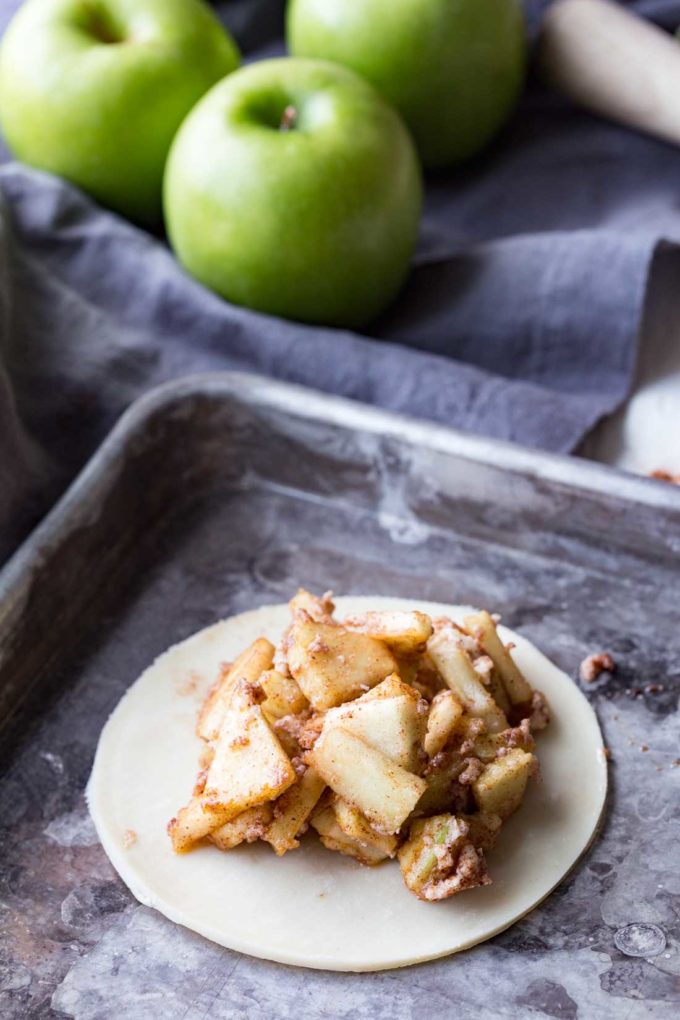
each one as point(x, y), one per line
point(520, 319)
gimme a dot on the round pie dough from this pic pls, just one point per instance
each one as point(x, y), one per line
point(312, 907)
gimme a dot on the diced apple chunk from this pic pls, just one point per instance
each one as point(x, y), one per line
point(193, 823)
point(214, 705)
point(445, 713)
point(483, 830)
point(444, 793)
point(438, 860)
point(333, 838)
point(333, 665)
point(500, 788)
point(247, 827)
point(406, 633)
point(250, 766)
point(487, 746)
point(391, 687)
point(383, 791)
point(454, 665)
point(283, 696)
point(292, 811)
point(249, 666)
point(496, 688)
point(389, 720)
point(357, 827)
point(483, 628)
point(317, 608)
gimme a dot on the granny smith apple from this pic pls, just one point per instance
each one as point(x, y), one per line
point(294, 189)
point(94, 90)
point(453, 68)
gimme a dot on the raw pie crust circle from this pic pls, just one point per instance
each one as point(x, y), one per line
point(312, 907)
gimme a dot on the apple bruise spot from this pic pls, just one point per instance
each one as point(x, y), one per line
point(288, 118)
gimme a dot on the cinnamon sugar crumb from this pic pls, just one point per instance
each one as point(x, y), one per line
point(279, 774)
point(201, 779)
point(130, 838)
point(317, 645)
point(281, 659)
point(476, 728)
point(665, 476)
point(247, 693)
point(593, 665)
point(484, 665)
point(472, 772)
point(540, 712)
point(520, 736)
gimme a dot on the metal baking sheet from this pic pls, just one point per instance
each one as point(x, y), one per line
point(223, 492)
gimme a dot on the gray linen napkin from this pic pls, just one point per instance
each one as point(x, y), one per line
point(520, 319)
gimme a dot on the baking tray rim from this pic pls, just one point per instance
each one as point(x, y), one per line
point(588, 477)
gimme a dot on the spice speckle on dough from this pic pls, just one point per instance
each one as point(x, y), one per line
point(129, 838)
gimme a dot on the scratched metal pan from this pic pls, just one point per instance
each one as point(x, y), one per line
point(218, 493)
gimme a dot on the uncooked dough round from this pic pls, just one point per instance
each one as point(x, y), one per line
point(312, 907)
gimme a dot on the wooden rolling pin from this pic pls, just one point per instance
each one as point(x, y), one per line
point(614, 63)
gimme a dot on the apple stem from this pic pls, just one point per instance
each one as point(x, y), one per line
point(288, 119)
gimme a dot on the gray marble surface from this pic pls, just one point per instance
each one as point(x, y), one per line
point(220, 498)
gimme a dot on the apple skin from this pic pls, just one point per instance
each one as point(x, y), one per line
point(453, 68)
point(316, 223)
point(94, 90)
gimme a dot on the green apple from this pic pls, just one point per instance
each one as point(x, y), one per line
point(453, 68)
point(94, 90)
point(294, 189)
